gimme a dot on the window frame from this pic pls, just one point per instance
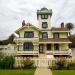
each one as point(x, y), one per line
point(27, 34)
point(46, 36)
point(28, 46)
point(55, 37)
point(44, 16)
point(44, 25)
point(48, 46)
point(56, 46)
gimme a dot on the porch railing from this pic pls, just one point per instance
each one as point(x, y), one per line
point(34, 39)
point(59, 52)
point(27, 53)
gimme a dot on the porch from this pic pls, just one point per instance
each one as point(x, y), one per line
point(29, 48)
point(54, 49)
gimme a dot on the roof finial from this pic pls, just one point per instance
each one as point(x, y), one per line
point(23, 23)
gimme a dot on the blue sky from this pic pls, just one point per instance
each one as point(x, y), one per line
point(12, 12)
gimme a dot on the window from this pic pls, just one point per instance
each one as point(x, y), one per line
point(48, 46)
point(44, 25)
point(44, 35)
point(56, 46)
point(56, 36)
point(28, 46)
point(28, 35)
point(44, 16)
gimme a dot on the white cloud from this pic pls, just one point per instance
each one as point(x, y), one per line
point(12, 12)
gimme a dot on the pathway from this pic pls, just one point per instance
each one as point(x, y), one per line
point(43, 71)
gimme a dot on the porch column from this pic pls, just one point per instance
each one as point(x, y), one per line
point(52, 47)
point(45, 48)
point(36, 47)
point(60, 47)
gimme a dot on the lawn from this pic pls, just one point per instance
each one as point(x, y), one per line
point(63, 72)
point(17, 72)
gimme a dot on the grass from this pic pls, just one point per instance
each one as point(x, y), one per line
point(63, 72)
point(17, 72)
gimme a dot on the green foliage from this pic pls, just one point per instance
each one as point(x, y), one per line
point(28, 63)
point(71, 65)
point(61, 64)
point(7, 62)
point(72, 39)
point(1, 48)
point(9, 40)
point(18, 72)
point(63, 72)
point(4, 42)
point(70, 26)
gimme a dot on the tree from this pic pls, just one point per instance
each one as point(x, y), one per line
point(11, 38)
point(70, 26)
point(72, 39)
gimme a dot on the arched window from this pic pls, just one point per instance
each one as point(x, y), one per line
point(28, 46)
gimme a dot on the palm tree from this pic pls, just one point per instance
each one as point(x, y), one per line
point(70, 26)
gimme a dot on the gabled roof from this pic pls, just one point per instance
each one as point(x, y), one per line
point(27, 25)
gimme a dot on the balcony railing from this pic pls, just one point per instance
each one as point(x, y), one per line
point(35, 39)
point(59, 52)
point(27, 53)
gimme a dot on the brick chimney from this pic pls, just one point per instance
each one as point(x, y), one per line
point(62, 25)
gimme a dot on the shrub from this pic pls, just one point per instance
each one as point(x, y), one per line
point(1, 48)
point(28, 63)
point(61, 64)
point(7, 62)
point(71, 65)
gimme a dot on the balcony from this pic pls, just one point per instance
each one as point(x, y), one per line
point(59, 52)
point(35, 39)
point(27, 53)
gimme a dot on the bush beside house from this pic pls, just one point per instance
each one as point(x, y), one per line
point(63, 64)
point(28, 63)
point(71, 65)
point(7, 62)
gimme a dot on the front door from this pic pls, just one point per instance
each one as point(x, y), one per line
point(41, 48)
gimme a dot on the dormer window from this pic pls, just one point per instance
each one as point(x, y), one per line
point(44, 16)
point(44, 25)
